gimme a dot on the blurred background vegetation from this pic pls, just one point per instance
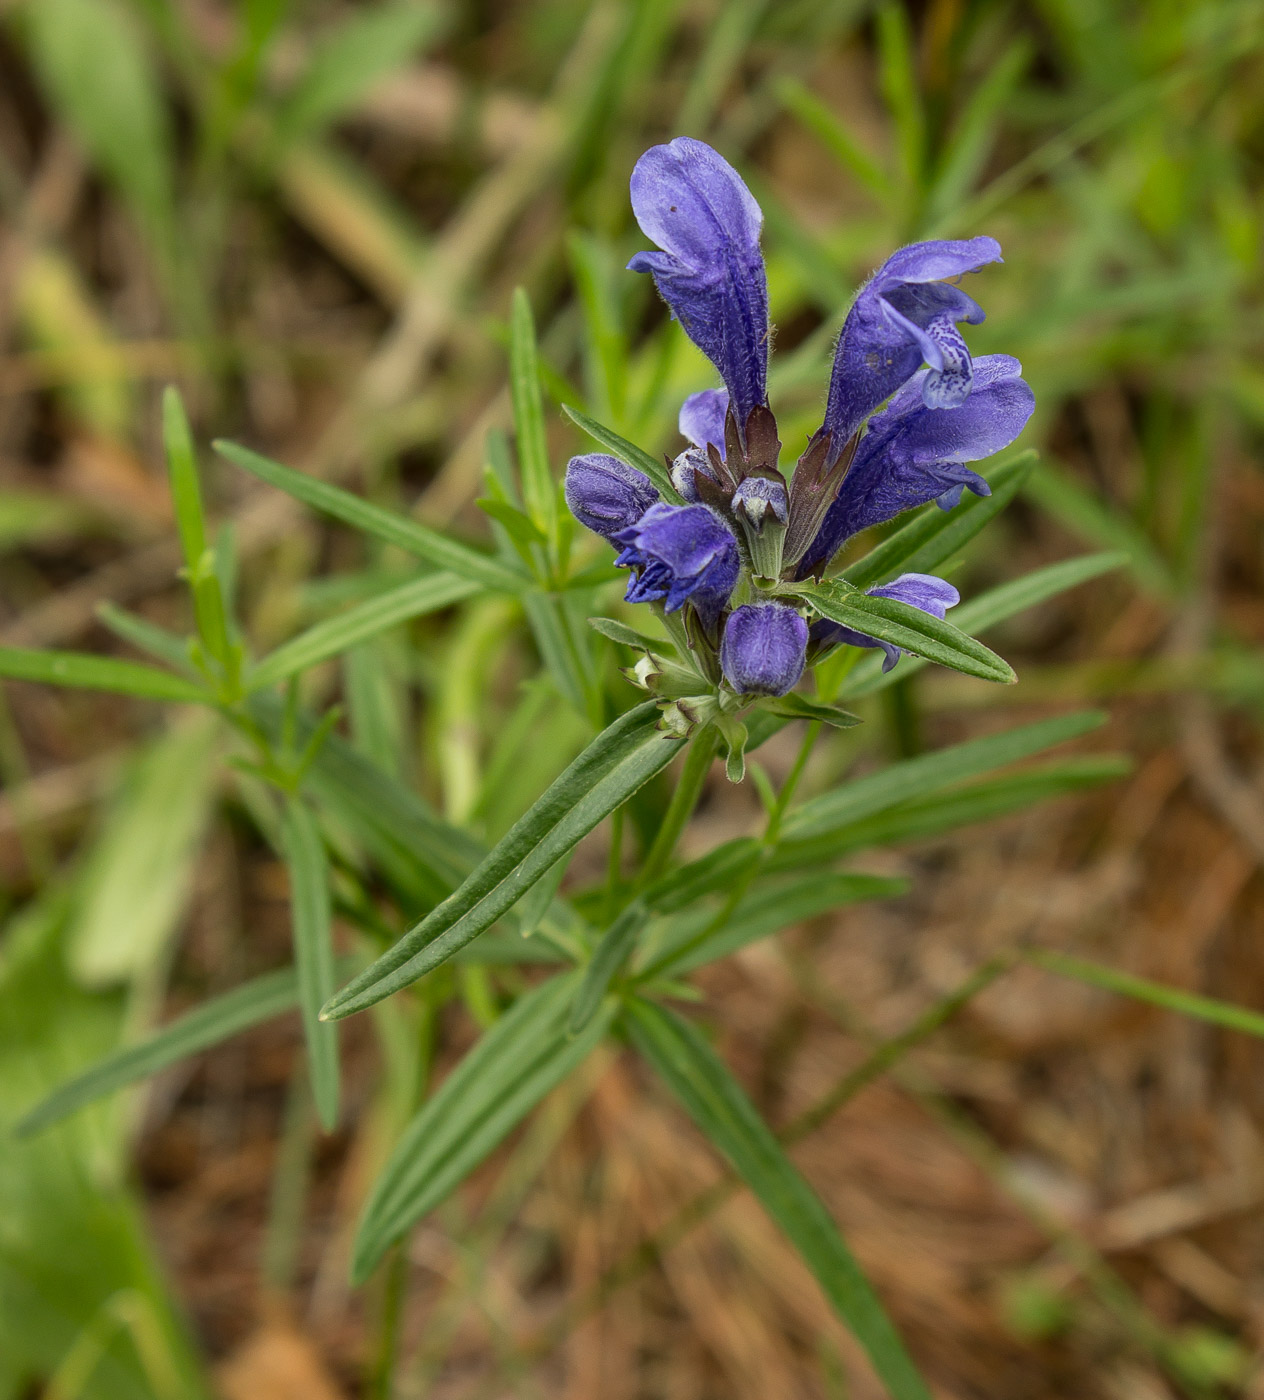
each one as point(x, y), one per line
point(311, 215)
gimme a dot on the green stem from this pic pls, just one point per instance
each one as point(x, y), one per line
point(685, 798)
point(382, 1383)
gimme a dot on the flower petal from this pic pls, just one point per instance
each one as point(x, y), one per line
point(702, 417)
point(904, 315)
point(912, 454)
point(694, 205)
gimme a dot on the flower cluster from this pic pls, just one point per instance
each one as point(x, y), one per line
point(907, 409)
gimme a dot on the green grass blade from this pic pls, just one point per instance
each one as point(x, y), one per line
point(975, 802)
point(930, 773)
point(386, 525)
point(186, 496)
point(1219, 1013)
point(83, 671)
point(1089, 516)
point(214, 1021)
point(308, 866)
point(769, 908)
point(335, 635)
point(349, 60)
point(627, 452)
point(827, 126)
point(186, 491)
point(908, 628)
point(616, 764)
point(539, 492)
point(717, 1104)
point(144, 635)
point(935, 535)
point(987, 610)
point(526, 1053)
point(608, 958)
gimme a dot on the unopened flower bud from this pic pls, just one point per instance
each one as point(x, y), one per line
point(606, 494)
point(764, 649)
point(762, 509)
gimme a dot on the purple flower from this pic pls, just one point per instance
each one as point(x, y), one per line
point(911, 454)
point(764, 649)
point(694, 205)
point(924, 591)
point(681, 554)
point(606, 494)
point(904, 315)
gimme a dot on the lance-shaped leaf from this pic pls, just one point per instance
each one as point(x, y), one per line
point(334, 635)
point(396, 529)
point(907, 627)
point(990, 608)
point(932, 773)
point(796, 706)
point(717, 1104)
point(615, 765)
point(973, 802)
point(310, 914)
point(87, 672)
point(770, 907)
point(627, 452)
point(214, 1021)
point(608, 958)
point(525, 1054)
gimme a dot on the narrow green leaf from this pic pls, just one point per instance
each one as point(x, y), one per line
point(770, 907)
point(717, 1104)
point(1090, 517)
point(539, 493)
point(102, 81)
point(930, 773)
point(795, 706)
point(186, 496)
point(526, 1053)
point(630, 637)
point(214, 1021)
point(608, 958)
point(627, 452)
point(975, 802)
point(934, 535)
point(713, 871)
point(144, 635)
point(827, 126)
point(347, 61)
point(907, 627)
point(310, 914)
point(138, 879)
point(335, 635)
point(987, 610)
point(571, 673)
point(86, 672)
point(615, 765)
point(1219, 1013)
point(386, 525)
point(186, 491)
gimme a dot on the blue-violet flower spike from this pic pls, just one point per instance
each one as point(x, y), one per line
point(924, 591)
point(694, 205)
point(763, 649)
point(681, 554)
point(911, 454)
point(606, 494)
point(904, 315)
